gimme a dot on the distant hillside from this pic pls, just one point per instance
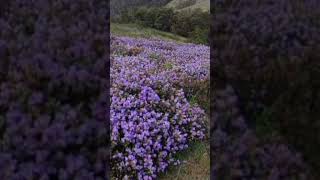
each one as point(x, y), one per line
point(189, 4)
point(134, 30)
point(116, 6)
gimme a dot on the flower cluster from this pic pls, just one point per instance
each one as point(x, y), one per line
point(53, 77)
point(268, 51)
point(238, 153)
point(151, 118)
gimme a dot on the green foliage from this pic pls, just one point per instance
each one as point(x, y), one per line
point(168, 66)
point(264, 127)
point(181, 23)
point(273, 63)
point(198, 93)
point(196, 163)
point(158, 18)
point(200, 36)
point(163, 19)
point(117, 7)
point(138, 31)
point(154, 56)
point(193, 24)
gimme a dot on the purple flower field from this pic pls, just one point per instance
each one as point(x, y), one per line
point(151, 117)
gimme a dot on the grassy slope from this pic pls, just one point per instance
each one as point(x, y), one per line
point(202, 4)
point(197, 157)
point(133, 30)
point(197, 165)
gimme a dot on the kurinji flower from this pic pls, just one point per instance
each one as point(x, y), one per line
point(150, 116)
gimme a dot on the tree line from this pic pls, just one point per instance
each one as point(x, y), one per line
point(193, 24)
point(117, 6)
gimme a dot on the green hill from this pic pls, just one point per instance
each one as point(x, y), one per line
point(189, 4)
point(133, 30)
point(116, 6)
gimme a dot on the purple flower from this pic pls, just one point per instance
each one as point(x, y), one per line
point(151, 118)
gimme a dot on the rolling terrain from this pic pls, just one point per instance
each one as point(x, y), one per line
point(189, 4)
point(175, 51)
point(137, 31)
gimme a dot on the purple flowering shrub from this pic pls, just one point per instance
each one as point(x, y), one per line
point(268, 51)
point(53, 90)
point(151, 118)
point(238, 153)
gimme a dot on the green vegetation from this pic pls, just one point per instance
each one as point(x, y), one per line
point(204, 5)
point(264, 127)
point(197, 156)
point(197, 165)
point(184, 22)
point(192, 23)
point(117, 6)
point(138, 31)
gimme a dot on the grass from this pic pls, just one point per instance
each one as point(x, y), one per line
point(137, 31)
point(197, 165)
point(197, 156)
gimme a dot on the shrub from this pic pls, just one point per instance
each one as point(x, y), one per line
point(53, 90)
point(237, 152)
point(150, 116)
point(163, 20)
point(199, 36)
point(268, 50)
point(193, 24)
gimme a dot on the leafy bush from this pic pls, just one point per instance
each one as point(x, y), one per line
point(53, 90)
point(193, 24)
point(237, 152)
point(163, 19)
point(119, 6)
point(199, 35)
point(181, 23)
point(268, 51)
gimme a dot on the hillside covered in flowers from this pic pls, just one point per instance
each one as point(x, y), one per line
point(151, 115)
